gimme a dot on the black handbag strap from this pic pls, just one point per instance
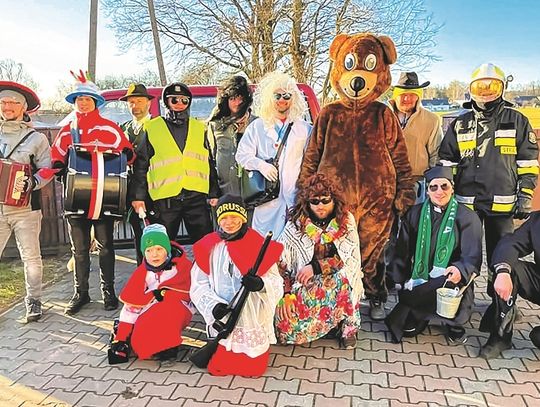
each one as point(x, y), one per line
point(282, 144)
point(19, 143)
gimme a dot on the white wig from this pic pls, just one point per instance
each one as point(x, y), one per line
point(263, 99)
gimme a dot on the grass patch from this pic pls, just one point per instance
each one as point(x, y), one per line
point(12, 287)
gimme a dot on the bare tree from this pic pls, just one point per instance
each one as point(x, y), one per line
point(258, 36)
point(148, 78)
point(11, 70)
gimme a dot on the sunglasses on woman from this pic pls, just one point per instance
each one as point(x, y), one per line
point(175, 100)
point(317, 201)
point(285, 96)
point(434, 187)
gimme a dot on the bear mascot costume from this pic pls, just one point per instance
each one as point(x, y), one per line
point(358, 140)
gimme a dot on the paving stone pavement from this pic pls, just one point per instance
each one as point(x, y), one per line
point(61, 361)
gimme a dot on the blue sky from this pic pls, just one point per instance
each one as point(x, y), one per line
point(54, 38)
point(504, 32)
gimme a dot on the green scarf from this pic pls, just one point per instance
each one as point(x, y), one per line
point(445, 241)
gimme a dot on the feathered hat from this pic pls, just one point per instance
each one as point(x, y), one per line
point(84, 87)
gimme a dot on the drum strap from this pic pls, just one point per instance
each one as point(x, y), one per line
point(18, 144)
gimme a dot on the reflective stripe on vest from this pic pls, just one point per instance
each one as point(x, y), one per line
point(170, 170)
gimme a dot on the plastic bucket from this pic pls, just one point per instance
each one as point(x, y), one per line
point(448, 302)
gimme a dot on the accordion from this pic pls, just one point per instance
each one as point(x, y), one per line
point(9, 172)
point(95, 183)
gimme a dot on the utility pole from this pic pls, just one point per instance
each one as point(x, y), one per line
point(92, 39)
point(157, 45)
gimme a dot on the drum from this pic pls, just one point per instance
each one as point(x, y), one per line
point(9, 172)
point(95, 183)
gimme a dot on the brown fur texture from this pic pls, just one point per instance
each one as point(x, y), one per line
point(358, 140)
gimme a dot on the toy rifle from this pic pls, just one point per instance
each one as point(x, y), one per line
point(202, 356)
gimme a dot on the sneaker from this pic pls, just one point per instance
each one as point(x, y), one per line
point(33, 310)
point(118, 353)
point(456, 335)
point(76, 303)
point(348, 342)
point(376, 310)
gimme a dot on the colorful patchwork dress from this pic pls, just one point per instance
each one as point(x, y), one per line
point(334, 294)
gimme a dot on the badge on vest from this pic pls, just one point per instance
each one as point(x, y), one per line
point(508, 150)
point(532, 137)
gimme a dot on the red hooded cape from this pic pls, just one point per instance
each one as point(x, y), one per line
point(159, 327)
point(243, 252)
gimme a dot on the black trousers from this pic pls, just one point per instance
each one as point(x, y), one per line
point(79, 232)
point(194, 211)
point(495, 227)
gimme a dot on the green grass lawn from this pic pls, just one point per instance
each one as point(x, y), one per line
point(12, 277)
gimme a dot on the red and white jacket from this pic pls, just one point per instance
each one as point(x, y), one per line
point(97, 135)
point(94, 131)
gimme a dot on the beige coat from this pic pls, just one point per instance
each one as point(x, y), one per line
point(423, 135)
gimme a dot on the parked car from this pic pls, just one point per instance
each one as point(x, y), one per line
point(204, 100)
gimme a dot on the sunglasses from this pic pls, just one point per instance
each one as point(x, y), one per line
point(434, 187)
point(175, 100)
point(317, 201)
point(285, 96)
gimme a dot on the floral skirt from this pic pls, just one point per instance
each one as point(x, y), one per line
point(319, 308)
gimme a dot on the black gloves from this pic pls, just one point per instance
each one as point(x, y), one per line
point(62, 169)
point(252, 283)
point(128, 152)
point(30, 184)
point(220, 310)
point(158, 294)
point(523, 206)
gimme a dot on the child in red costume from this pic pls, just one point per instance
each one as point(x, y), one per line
point(222, 261)
point(156, 300)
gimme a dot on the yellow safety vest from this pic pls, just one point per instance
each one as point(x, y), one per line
point(171, 170)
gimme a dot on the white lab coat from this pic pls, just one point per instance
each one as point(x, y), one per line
point(259, 144)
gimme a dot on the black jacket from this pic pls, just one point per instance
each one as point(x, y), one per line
point(501, 162)
point(467, 252)
point(522, 242)
point(138, 187)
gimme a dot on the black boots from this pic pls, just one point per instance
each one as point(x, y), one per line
point(535, 336)
point(110, 301)
point(77, 302)
point(495, 345)
point(118, 353)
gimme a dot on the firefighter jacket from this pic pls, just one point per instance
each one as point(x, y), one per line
point(495, 155)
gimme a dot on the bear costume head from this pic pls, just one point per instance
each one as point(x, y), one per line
point(361, 66)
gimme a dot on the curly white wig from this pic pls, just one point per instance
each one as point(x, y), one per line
point(263, 99)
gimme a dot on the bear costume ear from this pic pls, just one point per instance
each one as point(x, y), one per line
point(389, 49)
point(336, 45)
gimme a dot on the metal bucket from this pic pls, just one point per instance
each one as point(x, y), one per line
point(448, 300)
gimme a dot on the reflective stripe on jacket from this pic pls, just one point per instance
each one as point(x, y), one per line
point(172, 170)
point(495, 156)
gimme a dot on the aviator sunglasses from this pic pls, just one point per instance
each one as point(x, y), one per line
point(317, 201)
point(175, 100)
point(285, 96)
point(435, 187)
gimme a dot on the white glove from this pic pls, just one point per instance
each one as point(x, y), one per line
point(268, 171)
